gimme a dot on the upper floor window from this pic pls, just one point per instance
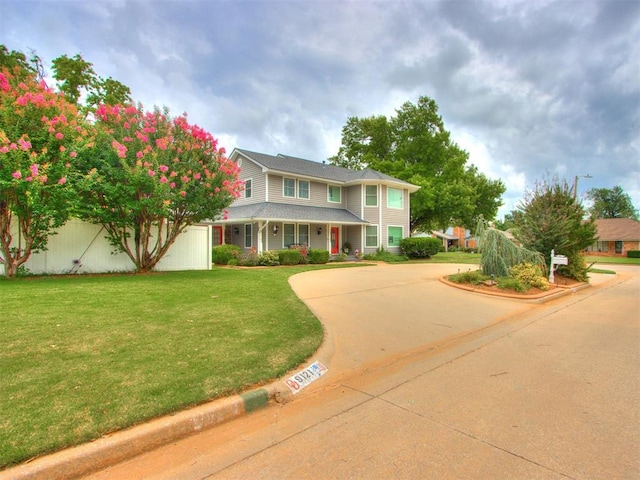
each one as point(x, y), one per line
point(334, 194)
point(371, 195)
point(248, 188)
point(289, 187)
point(394, 197)
point(303, 189)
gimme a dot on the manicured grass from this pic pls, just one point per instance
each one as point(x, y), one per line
point(86, 355)
point(614, 260)
point(455, 257)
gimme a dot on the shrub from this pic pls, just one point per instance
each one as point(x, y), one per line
point(382, 255)
point(289, 257)
point(633, 254)
point(529, 275)
point(318, 256)
point(474, 277)
point(269, 258)
point(222, 254)
point(342, 257)
point(420, 247)
point(507, 283)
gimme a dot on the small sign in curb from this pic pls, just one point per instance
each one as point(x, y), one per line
point(305, 377)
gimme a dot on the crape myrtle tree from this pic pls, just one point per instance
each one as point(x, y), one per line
point(414, 146)
point(40, 134)
point(150, 176)
point(551, 218)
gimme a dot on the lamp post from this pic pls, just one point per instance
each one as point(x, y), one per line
point(575, 184)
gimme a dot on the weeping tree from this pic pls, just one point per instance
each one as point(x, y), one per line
point(499, 253)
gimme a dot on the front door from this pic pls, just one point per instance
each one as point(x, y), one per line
point(217, 236)
point(335, 240)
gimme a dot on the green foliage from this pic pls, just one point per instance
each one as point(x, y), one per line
point(317, 256)
point(507, 283)
point(611, 203)
point(269, 258)
point(473, 277)
point(530, 275)
point(577, 267)
point(499, 253)
point(221, 254)
point(633, 253)
point(289, 257)
point(383, 255)
point(550, 218)
point(420, 247)
point(414, 146)
point(341, 257)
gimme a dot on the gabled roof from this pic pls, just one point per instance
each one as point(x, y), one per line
point(618, 229)
point(295, 213)
point(288, 165)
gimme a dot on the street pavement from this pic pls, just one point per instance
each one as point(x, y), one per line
point(427, 381)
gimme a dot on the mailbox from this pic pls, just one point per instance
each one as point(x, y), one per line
point(555, 261)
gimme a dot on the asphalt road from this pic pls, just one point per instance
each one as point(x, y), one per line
point(430, 382)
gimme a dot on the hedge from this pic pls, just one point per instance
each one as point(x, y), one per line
point(633, 253)
point(222, 254)
point(318, 256)
point(289, 257)
point(420, 247)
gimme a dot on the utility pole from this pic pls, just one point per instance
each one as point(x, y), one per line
point(575, 184)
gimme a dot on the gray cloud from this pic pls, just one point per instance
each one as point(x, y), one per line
point(526, 87)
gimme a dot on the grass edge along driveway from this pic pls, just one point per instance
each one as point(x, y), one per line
point(87, 355)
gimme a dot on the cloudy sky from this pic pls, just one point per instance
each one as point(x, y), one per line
point(530, 88)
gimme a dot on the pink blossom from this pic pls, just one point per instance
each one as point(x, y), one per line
point(63, 148)
point(73, 154)
point(59, 136)
point(139, 154)
point(24, 144)
point(172, 184)
point(197, 176)
point(34, 169)
point(163, 168)
point(16, 174)
point(183, 193)
point(4, 149)
point(163, 179)
point(151, 173)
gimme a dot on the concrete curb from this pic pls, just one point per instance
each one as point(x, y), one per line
point(559, 291)
point(126, 444)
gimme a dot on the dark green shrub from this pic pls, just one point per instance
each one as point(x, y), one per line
point(633, 254)
point(420, 247)
point(223, 253)
point(576, 268)
point(289, 257)
point(382, 255)
point(506, 283)
point(318, 256)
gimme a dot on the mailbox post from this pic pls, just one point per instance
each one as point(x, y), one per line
point(555, 261)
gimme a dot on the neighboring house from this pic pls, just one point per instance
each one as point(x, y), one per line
point(616, 236)
point(455, 237)
point(291, 201)
point(81, 247)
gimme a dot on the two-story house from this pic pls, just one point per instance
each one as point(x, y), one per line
point(289, 200)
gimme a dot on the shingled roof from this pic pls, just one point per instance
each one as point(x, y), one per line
point(286, 164)
point(287, 212)
point(618, 229)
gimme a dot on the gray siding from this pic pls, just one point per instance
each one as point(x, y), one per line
point(254, 172)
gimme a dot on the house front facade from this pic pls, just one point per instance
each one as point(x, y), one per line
point(616, 236)
point(289, 201)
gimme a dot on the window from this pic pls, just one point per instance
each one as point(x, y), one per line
point(371, 236)
point(395, 235)
point(371, 196)
point(303, 234)
point(289, 234)
point(334, 194)
point(289, 187)
point(303, 189)
point(247, 188)
point(394, 198)
point(247, 235)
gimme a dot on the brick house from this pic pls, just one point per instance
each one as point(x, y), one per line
point(616, 236)
point(293, 201)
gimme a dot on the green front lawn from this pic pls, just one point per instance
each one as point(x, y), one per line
point(86, 355)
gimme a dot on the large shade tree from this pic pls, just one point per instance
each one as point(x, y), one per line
point(414, 146)
point(40, 134)
point(611, 203)
point(149, 177)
